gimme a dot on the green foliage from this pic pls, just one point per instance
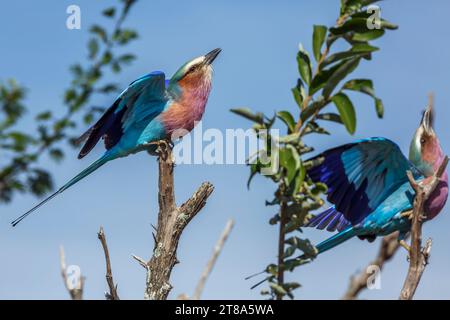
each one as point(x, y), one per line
point(296, 195)
point(21, 150)
point(319, 35)
point(346, 111)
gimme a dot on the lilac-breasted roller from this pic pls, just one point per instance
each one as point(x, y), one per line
point(151, 108)
point(369, 188)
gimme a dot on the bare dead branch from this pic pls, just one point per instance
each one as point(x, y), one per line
point(172, 221)
point(75, 292)
point(388, 248)
point(141, 261)
point(112, 295)
point(419, 256)
point(210, 265)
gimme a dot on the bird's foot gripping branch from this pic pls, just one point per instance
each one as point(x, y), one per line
point(172, 220)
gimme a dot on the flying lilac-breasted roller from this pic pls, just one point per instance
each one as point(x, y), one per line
point(369, 188)
point(150, 109)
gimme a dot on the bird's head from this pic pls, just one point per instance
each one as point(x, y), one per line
point(425, 150)
point(194, 74)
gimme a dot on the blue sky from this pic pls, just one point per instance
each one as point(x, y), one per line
point(256, 69)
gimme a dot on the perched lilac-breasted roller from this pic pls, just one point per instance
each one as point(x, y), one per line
point(150, 109)
point(369, 188)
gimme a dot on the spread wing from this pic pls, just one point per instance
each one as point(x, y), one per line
point(142, 100)
point(361, 175)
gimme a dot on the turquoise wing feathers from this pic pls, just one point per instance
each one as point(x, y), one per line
point(360, 176)
point(140, 102)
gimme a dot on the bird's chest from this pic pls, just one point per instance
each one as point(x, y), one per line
point(437, 199)
point(181, 116)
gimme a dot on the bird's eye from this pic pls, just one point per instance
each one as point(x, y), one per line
point(192, 69)
point(422, 140)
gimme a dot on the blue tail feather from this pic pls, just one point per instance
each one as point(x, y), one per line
point(336, 239)
point(83, 174)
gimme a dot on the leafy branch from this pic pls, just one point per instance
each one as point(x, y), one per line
point(21, 151)
point(319, 85)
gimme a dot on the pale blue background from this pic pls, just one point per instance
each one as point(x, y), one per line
point(257, 68)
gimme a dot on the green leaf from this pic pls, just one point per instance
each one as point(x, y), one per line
point(299, 93)
point(77, 70)
point(311, 109)
point(359, 25)
point(303, 245)
point(354, 24)
point(115, 67)
point(358, 50)
point(319, 34)
point(290, 160)
point(322, 77)
point(248, 114)
point(304, 65)
point(364, 47)
point(39, 182)
point(88, 118)
point(21, 140)
point(292, 138)
point(127, 58)
point(124, 36)
point(349, 6)
point(360, 85)
point(299, 178)
point(347, 67)
point(278, 289)
point(99, 31)
point(366, 86)
point(107, 57)
point(313, 127)
point(70, 95)
point(289, 251)
point(288, 119)
point(46, 115)
point(93, 48)
point(56, 154)
point(109, 12)
point(379, 107)
point(346, 111)
point(319, 188)
point(369, 35)
point(108, 88)
point(334, 117)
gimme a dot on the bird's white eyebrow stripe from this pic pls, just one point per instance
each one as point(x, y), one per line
point(194, 62)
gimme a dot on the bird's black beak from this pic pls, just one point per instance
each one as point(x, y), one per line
point(211, 56)
point(428, 119)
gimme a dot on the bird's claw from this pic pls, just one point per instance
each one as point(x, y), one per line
point(407, 214)
point(161, 147)
point(405, 245)
point(410, 215)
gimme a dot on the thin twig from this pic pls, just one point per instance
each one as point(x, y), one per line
point(418, 256)
point(210, 265)
point(76, 292)
point(112, 295)
point(388, 248)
